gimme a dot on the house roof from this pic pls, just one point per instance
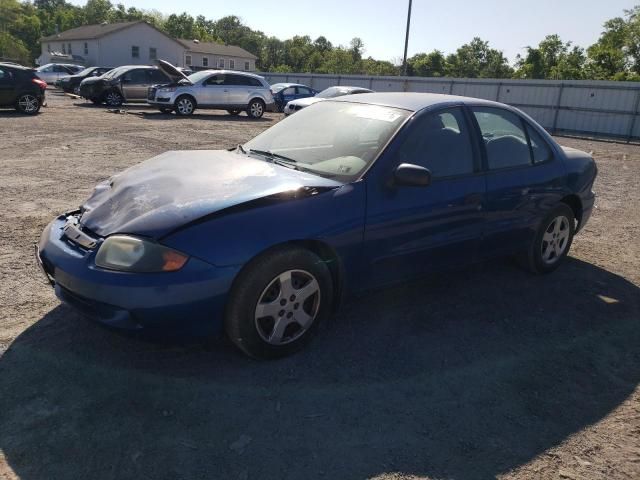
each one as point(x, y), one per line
point(215, 49)
point(87, 32)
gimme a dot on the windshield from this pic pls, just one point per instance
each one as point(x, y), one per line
point(276, 87)
point(332, 139)
point(114, 72)
point(86, 71)
point(201, 75)
point(332, 92)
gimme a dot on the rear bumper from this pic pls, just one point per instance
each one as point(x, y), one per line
point(588, 204)
point(190, 301)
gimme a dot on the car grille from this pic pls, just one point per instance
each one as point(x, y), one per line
point(151, 94)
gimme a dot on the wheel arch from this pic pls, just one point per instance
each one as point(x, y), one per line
point(573, 201)
point(323, 250)
point(193, 99)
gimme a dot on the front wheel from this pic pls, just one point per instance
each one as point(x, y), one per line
point(28, 104)
point(256, 108)
point(277, 303)
point(185, 106)
point(552, 241)
point(113, 98)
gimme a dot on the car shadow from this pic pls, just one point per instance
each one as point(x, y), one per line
point(463, 375)
point(200, 115)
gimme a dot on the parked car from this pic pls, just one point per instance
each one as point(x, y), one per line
point(286, 92)
point(331, 92)
point(54, 71)
point(122, 84)
point(265, 240)
point(71, 84)
point(212, 89)
point(21, 89)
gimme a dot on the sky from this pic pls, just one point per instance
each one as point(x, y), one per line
point(508, 25)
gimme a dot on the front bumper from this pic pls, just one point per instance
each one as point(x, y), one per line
point(190, 301)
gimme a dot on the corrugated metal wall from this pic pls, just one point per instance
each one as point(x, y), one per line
point(581, 107)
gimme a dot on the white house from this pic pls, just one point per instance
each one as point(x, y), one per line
point(203, 55)
point(138, 43)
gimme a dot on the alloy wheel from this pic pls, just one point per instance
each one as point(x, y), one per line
point(256, 109)
point(185, 106)
point(113, 99)
point(28, 103)
point(288, 306)
point(555, 239)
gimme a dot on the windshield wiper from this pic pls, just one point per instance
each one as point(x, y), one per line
point(241, 148)
point(273, 156)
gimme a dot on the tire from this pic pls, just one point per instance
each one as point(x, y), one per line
point(113, 98)
point(256, 108)
point(235, 112)
point(552, 241)
point(185, 105)
point(260, 321)
point(76, 90)
point(166, 110)
point(28, 103)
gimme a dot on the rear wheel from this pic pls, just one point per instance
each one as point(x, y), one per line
point(185, 106)
point(113, 98)
point(256, 108)
point(234, 111)
point(277, 303)
point(28, 104)
point(552, 241)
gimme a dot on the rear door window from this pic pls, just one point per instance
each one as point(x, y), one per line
point(504, 137)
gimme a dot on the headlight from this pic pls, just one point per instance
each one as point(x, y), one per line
point(167, 90)
point(132, 254)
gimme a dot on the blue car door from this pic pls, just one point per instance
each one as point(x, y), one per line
point(411, 230)
point(523, 179)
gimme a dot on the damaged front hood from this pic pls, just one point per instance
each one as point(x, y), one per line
point(175, 188)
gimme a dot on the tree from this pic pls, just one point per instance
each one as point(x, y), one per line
point(97, 11)
point(552, 59)
point(477, 60)
point(431, 64)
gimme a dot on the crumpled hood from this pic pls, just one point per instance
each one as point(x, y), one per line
point(163, 193)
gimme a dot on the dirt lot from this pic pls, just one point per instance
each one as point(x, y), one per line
point(488, 372)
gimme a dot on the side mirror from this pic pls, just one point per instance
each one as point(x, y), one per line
point(409, 175)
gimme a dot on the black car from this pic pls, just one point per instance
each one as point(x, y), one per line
point(21, 89)
point(72, 84)
point(122, 84)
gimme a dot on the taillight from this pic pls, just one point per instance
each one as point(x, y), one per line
point(41, 83)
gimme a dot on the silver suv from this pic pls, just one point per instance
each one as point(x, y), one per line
point(215, 89)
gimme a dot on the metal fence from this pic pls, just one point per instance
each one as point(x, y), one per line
point(578, 107)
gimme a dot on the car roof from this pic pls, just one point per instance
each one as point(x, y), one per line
point(15, 66)
point(286, 85)
point(235, 72)
point(413, 101)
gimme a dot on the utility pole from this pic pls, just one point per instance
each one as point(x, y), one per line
point(406, 41)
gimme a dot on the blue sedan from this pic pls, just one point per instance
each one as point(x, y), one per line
point(264, 241)
point(284, 93)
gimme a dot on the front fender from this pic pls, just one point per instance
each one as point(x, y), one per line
point(234, 236)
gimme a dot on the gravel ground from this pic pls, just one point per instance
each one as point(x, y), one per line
point(481, 373)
